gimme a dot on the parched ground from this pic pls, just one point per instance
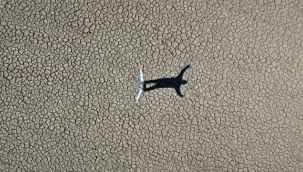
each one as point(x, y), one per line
point(67, 72)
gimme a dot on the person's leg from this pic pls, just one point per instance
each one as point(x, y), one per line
point(155, 82)
point(152, 81)
point(150, 88)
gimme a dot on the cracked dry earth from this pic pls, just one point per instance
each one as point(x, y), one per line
point(67, 72)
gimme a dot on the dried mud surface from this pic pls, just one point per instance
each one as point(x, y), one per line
point(67, 72)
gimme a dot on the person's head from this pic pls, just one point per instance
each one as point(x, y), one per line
point(139, 84)
point(183, 82)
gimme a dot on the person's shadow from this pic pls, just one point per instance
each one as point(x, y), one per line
point(174, 82)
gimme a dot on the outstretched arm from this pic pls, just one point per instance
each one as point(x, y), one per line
point(139, 95)
point(141, 74)
point(179, 91)
point(183, 71)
